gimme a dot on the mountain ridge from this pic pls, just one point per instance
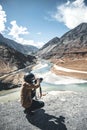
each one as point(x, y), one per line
point(14, 58)
point(48, 46)
point(25, 49)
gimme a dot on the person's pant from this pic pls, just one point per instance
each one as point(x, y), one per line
point(36, 105)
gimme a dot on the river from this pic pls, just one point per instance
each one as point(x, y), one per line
point(54, 82)
point(51, 82)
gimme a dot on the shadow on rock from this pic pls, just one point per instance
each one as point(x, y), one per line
point(45, 121)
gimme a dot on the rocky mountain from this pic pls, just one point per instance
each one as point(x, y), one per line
point(10, 62)
point(71, 44)
point(25, 49)
point(48, 47)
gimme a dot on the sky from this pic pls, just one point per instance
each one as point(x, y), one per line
point(35, 22)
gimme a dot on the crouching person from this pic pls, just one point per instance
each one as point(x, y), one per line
point(28, 92)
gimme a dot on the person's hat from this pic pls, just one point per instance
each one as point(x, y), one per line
point(28, 77)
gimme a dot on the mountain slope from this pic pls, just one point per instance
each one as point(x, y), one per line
point(71, 44)
point(10, 63)
point(48, 47)
point(25, 49)
point(11, 60)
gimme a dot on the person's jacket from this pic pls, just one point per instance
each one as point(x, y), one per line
point(26, 99)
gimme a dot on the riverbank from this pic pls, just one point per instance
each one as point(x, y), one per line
point(63, 110)
point(74, 68)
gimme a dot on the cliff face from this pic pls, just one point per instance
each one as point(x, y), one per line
point(71, 44)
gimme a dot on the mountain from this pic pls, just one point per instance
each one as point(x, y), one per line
point(48, 47)
point(11, 61)
point(29, 49)
point(71, 44)
point(25, 49)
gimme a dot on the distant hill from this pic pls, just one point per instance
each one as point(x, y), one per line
point(71, 44)
point(25, 49)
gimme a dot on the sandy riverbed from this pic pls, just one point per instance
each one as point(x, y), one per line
point(78, 68)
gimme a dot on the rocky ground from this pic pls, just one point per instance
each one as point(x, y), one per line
point(63, 110)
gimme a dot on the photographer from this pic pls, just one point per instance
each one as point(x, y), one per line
point(28, 92)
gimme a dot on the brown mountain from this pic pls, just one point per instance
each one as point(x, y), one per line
point(11, 61)
point(72, 44)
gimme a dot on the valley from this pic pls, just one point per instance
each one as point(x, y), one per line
point(51, 81)
point(68, 51)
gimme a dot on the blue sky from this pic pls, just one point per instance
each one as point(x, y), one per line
point(36, 22)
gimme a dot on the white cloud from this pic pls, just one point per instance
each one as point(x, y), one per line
point(48, 18)
point(39, 33)
point(40, 44)
point(16, 32)
point(2, 19)
point(71, 13)
point(30, 42)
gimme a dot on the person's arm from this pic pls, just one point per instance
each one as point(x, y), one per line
point(33, 86)
point(36, 85)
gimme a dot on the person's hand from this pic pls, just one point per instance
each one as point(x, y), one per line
point(38, 80)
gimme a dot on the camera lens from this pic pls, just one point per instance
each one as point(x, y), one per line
point(41, 79)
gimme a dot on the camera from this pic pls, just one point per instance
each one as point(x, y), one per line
point(41, 79)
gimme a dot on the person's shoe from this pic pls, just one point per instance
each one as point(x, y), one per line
point(26, 111)
point(31, 113)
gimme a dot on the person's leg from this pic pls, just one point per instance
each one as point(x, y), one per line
point(36, 105)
